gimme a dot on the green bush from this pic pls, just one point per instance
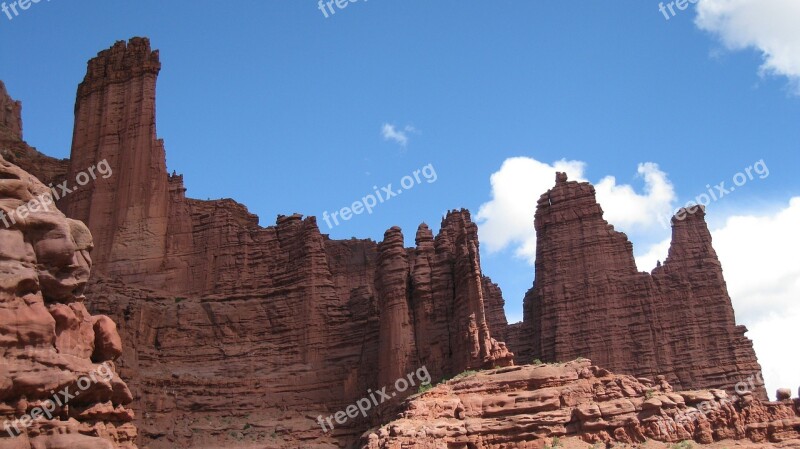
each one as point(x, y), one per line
point(466, 373)
point(685, 444)
point(424, 387)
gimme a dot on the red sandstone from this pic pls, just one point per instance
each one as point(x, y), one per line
point(589, 299)
point(234, 335)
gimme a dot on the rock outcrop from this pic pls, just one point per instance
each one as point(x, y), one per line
point(435, 296)
point(337, 313)
point(527, 407)
point(234, 333)
point(10, 115)
point(589, 299)
point(58, 385)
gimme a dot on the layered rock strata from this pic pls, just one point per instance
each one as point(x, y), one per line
point(589, 299)
point(237, 334)
point(531, 407)
point(58, 385)
point(338, 321)
point(10, 115)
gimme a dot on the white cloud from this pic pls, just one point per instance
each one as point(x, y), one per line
point(628, 210)
point(759, 259)
point(647, 260)
point(508, 218)
point(391, 133)
point(769, 26)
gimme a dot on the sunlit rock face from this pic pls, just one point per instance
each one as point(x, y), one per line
point(590, 300)
point(580, 405)
point(58, 386)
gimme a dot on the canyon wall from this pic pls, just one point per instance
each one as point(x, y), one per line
point(589, 299)
point(10, 115)
point(237, 334)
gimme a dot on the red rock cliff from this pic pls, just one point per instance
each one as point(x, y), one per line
point(589, 299)
point(238, 334)
point(58, 383)
point(433, 305)
point(10, 115)
point(115, 121)
point(251, 328)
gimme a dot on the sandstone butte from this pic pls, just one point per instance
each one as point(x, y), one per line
point(589, 300)
point(235, 335)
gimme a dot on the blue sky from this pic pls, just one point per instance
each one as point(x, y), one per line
point(282, 109)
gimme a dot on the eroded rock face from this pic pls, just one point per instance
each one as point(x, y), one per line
point(432, 303)
point(237, 335)
point(527, 406)
point(589, 300)
point(311, 344)
point(216, 311)
point(55, 366)
point(10, 115)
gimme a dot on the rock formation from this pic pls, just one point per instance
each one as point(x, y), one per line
point(526, 407)
point(234, 334)
point(10, 115)
point(436, 293)
point(336, 321)
point(589, 299)
point(114, 121)
point(58, 385)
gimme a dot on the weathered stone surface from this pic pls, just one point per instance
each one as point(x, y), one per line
point(590, 300)
point(241, 336)
point(494, 304)
point(433, 305)
point(318, 339)
point(457, 282)
point(397, 351)
point(10, 115)
point(46, 334)
point(784, 394)
point(530, 406)
point(237, 334)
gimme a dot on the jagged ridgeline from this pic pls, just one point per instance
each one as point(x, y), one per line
point(236, 335)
